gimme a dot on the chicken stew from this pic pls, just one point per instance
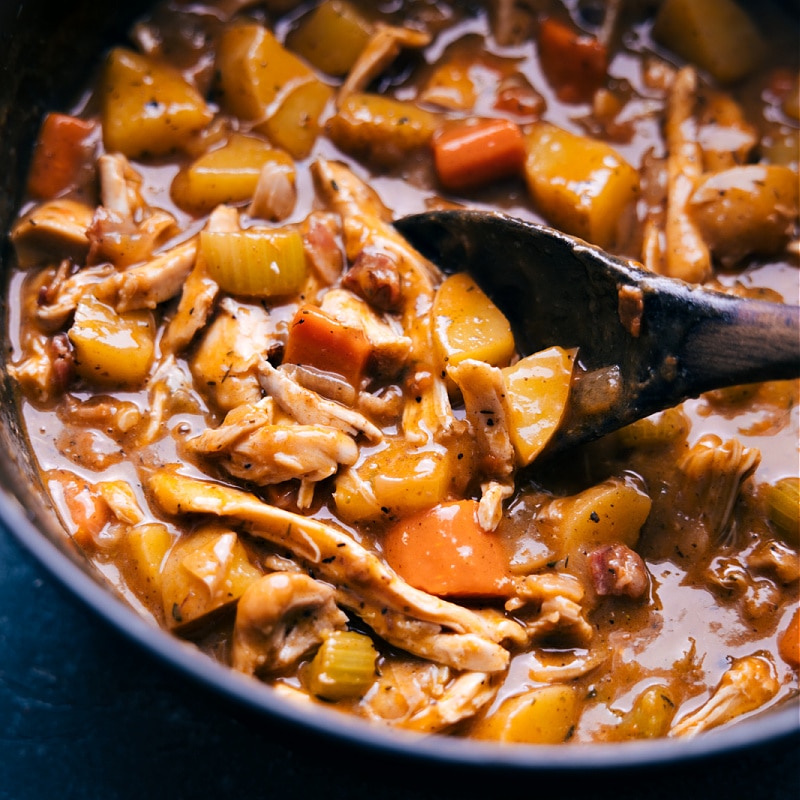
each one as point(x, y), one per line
point(283, 435)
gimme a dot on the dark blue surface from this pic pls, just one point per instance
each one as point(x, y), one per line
point(86, 714)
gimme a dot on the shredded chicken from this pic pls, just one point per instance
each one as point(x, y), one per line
point(713, 473)
point(406, 617)
point(226, 361)
point(687, 255)
point(147, 285)
point(310, 408)
point(281, 617)
point(749, 684)
point(249, 446)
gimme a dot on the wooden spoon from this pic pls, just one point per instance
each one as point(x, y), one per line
point(645, 342)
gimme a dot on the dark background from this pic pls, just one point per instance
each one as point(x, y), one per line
point(85, 714)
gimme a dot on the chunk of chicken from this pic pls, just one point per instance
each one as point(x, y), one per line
point(250, 447)
point(713, 473)
point(147, 285)
point(279, 619)
point(124, 229)
point(226, 361)
point(383, 47)
point(406, 617)
point(52, 230)
point(310, 408)
point(556, 601)
point(746, 686)
point(62, 295)
point(275, 194)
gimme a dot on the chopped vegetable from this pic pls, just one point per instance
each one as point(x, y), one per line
point(112, 348)
point(656, 431)
point(545, 715)
point(60, 154)
point(228, 174)
point(789, 641)
point(582, 185)
point(343, 667)
point(537, 389)
point(395, 480)
point(715, 35)
point(381, 128)
point(467, 324)
point(147, 546)
point(472, 153)
point(783, 508)
point(746, 210)
point(331, 37)
point(650, 716)
point(262, 82)
point(575, 64)
point(316, 339)
point(258, 262)
point(83, 509)
point(445, 551)
point(204, 572)
point(148, 107)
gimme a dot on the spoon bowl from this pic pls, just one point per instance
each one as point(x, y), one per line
point(645, 342)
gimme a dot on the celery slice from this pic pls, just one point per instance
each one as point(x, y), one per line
point(344, 666)
point(258, 262)
point(783, 507)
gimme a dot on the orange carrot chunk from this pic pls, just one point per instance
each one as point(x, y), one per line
point(316, 339)
point(574, 64)
point(789, 642)
point(445, 552)
point(60, 152)
point(476, 152)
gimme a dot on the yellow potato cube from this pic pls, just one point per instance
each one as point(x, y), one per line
point(381, 128)
point(715, 35)
point(228, 174)
point(146, 548)
point(467, 324)
point(612, 511)
point(148, 107)
point(111, 348)
point(581, 185)
point(205, 571)
point(331, 37)
point(537, 389)
point(261, 81)
point(545, 715)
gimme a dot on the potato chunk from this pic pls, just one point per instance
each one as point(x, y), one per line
point(262, 82)
point(227, 175)
point(537, 389)
point(581, 185)
point(545, 715)
point(111, 348)
point(467, 324)
point(148, 107)
point(715, 35)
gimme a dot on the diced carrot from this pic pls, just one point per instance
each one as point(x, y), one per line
point(575, 64)
point(60, 152)
point(473, 153)
point(445, 552)
point(316, 339)
point(85, 511)
point(789, 642)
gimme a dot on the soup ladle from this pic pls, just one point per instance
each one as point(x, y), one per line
point(645, 342)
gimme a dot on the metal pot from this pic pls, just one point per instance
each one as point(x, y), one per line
point(47, 50)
